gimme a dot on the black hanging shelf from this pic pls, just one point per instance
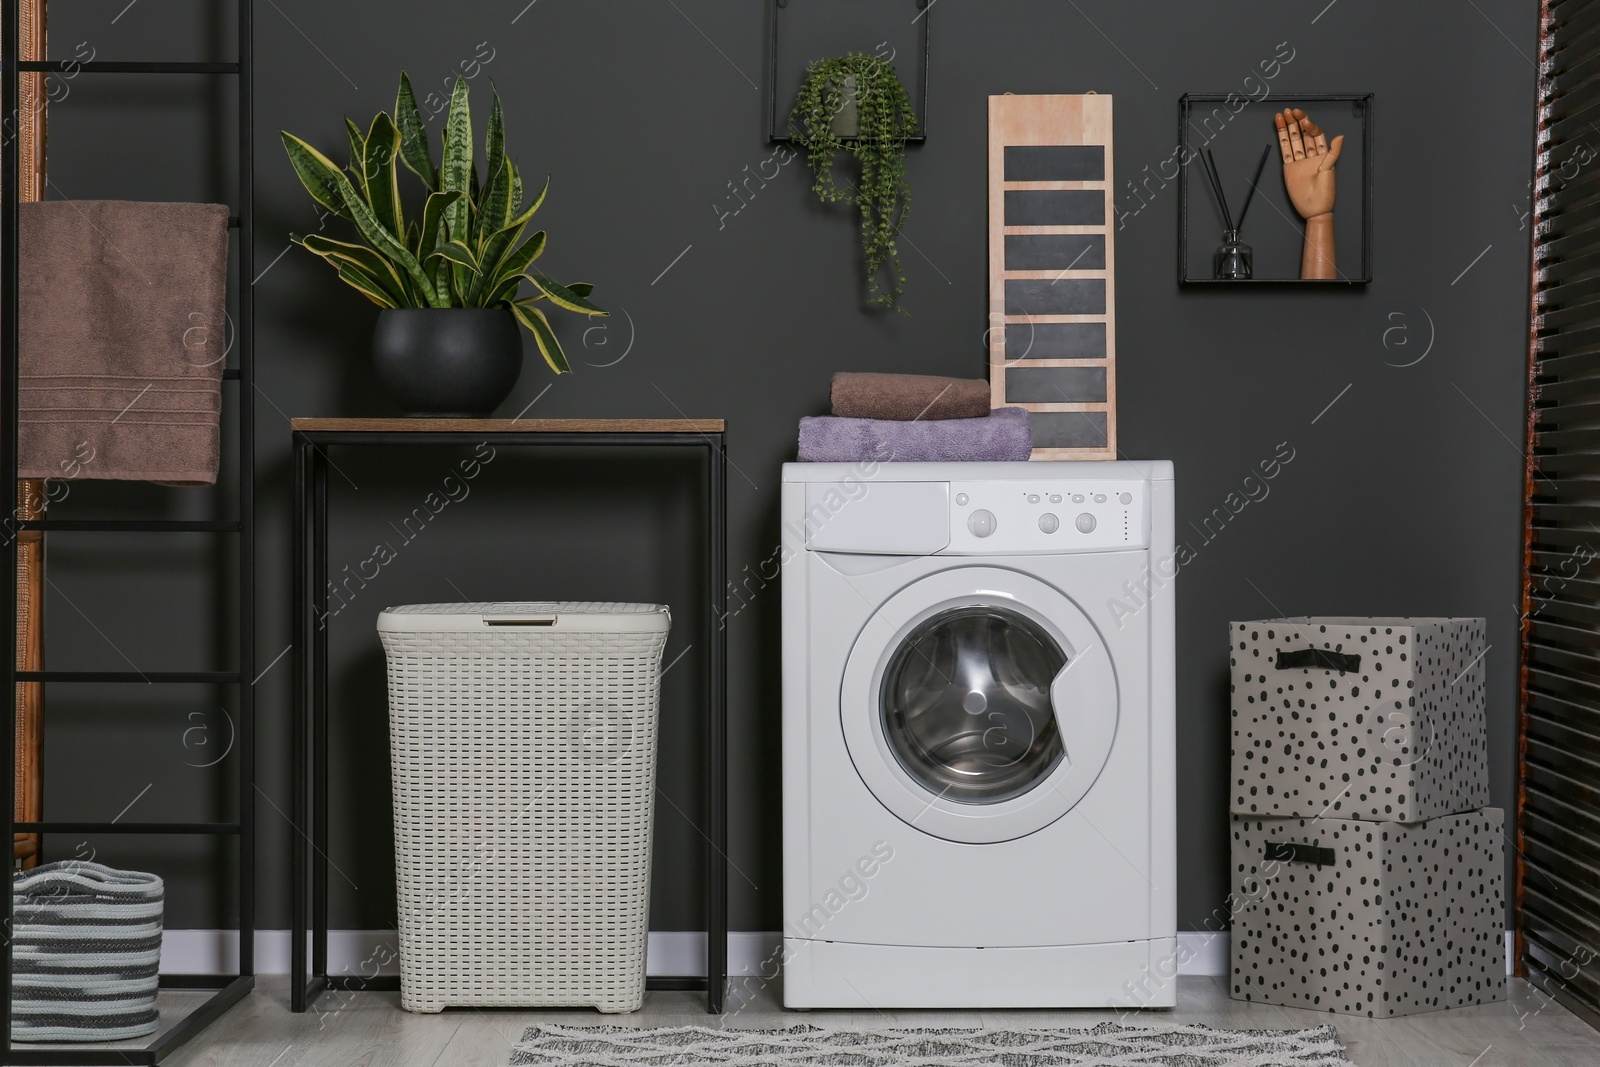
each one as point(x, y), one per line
point(924, 15)
point(1239, 126)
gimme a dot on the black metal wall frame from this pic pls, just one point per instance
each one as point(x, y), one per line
point(924, 16)
point(1365, 101)
point(228, 989)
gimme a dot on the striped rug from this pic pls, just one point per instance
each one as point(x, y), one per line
point(87, 952)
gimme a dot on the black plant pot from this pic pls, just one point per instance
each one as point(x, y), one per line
point(447, 362)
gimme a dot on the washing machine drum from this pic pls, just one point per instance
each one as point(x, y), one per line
point(979, 705)
point(966, 703)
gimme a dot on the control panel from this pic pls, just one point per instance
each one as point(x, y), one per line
point(918, 518)
point(1047, 516)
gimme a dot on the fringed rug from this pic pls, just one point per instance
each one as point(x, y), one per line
point(1106, 1045)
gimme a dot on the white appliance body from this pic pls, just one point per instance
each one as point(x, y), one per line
point(979, 802)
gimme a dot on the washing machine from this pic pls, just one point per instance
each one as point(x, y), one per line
point(979, 803)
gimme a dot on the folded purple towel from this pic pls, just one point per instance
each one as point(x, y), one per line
point(1002, 436)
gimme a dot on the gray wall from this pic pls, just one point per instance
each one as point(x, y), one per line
point(1402, 497)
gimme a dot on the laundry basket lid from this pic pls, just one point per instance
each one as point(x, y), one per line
point(570, 616)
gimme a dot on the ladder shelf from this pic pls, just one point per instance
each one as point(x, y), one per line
point(225, 990)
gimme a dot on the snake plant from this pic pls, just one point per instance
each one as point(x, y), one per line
point(466, 250)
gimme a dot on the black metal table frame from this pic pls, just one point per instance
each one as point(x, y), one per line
point(309, 850)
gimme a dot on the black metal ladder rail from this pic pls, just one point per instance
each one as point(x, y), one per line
point(228, 989)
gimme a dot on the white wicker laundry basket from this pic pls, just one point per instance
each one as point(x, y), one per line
point(523, 740)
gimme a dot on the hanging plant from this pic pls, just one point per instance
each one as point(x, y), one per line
point(820, 124)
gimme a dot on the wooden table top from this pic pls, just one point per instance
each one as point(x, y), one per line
point(508, 425)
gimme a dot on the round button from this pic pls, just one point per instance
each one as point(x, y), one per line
point(1049, 523)
point(1055, 498)
point(1085, 523)
point(1126, 498)
point(961, 498)
point(1033, 498)
point(981, 523)
point(1099, 498)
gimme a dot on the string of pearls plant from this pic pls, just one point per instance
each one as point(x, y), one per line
point(886, 123)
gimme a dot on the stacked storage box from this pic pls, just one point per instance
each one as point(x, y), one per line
point(1367, 870)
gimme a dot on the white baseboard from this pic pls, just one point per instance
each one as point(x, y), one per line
point(1206, 953)
point(373, 952)
point(1202, 952)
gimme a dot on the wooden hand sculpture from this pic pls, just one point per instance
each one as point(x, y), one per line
point(1308, 161)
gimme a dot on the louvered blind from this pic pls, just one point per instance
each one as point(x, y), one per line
point(1558, 862)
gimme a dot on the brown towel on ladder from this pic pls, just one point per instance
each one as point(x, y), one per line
point(908, 397)
point(123, 320)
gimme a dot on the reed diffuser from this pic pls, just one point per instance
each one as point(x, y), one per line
point(1233, 260)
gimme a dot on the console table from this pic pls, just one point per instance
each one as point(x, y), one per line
point(309, 856)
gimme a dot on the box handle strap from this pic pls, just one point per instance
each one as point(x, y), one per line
point(1318, 659)
point(1297, 852)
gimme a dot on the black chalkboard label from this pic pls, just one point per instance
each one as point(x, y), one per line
point(1056, 385)
point(1055, 251)
point(1060, 296)
point(1055, 207)
point(1055, 340)
point(1055, 163)
point(1068, 429)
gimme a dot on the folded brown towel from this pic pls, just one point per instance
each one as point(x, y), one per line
point(123, 333)
point(908, 397)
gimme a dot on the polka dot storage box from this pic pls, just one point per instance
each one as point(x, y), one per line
point(1369, 918)
point(1368, 875)
point(523, 743)
point(1358, 718)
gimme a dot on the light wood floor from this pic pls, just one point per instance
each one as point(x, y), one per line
point(370, 1029)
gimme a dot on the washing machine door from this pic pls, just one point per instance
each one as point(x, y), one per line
point(979, 704)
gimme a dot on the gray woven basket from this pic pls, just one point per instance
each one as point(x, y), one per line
point(87, 953)
point(523, 740)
